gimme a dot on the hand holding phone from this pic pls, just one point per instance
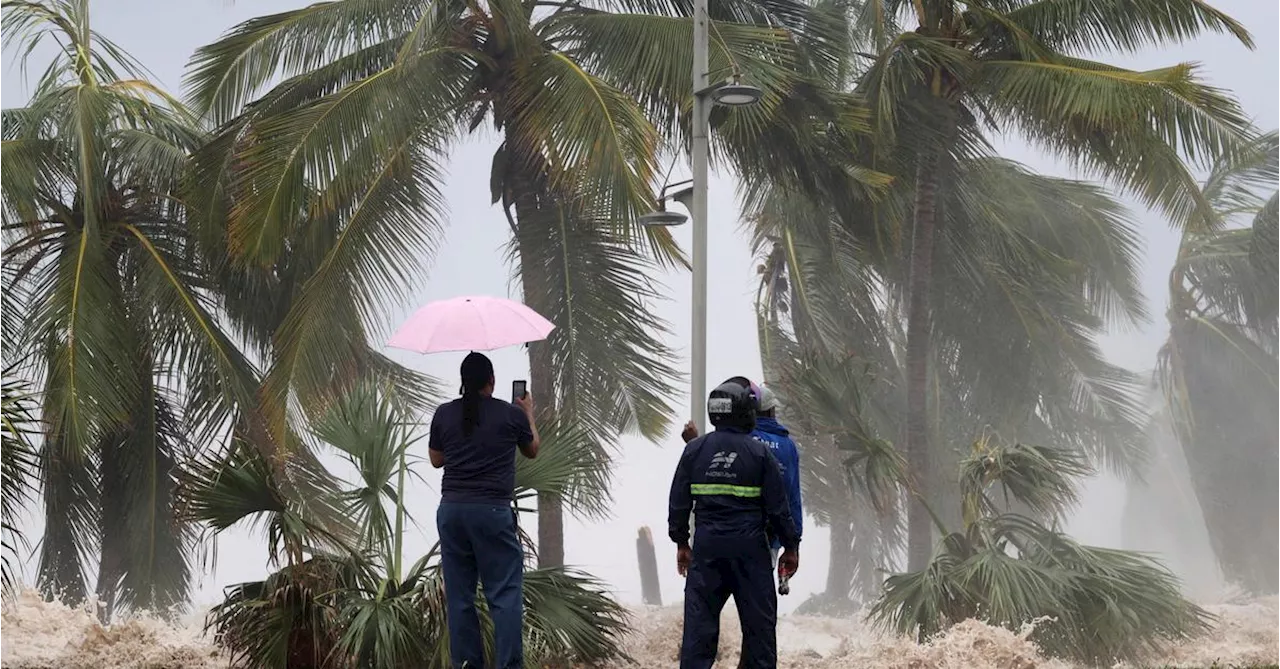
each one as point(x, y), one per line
point(518, 390)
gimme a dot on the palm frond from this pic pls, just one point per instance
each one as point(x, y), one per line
point(19, 468)
point(298, 505)
point(72, 521)
point(1044, 479)
point(650, 57)
point(612, 373)
point(225, 76)
point(83, 352)
point(1026, 282)
point(590, 141)
point(1107, 119)
point(289, 153)
point(1074, 27)
point(570, 463)
point(1241, 184)
point(146, 561)
point(371, 432)
point(362, 269)
point(221, 380)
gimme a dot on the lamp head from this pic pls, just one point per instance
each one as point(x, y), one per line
point(662, 219)
point(736, 94)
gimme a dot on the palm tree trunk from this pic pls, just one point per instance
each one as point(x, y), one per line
point(840, 570)
point(550, 505)
point(919, 346)
point(530, 214)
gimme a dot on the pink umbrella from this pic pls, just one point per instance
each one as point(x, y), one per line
point(475, 323)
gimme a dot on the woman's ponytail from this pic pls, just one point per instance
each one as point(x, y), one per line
point(470, 411)
point(477, 374)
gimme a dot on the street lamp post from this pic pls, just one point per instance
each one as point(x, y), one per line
point(730, 93)
point(701, 146)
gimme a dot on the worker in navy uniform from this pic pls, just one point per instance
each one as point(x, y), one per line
point(735, 486)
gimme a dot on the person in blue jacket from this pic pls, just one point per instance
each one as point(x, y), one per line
point(778, 438)
point(734, 485)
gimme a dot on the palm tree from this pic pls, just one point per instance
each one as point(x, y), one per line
point(1218, 368)
point(1162, 514)
point(1030, 270)
point(372, 94)
point(1021, 67)
point(1088, 604)
point(362, 607)
point(849, 476)
point(112, 310)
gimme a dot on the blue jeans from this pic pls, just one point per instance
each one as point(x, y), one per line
point(479, 541)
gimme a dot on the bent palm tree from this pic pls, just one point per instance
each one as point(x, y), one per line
point(1032, 269)
point(1089, 604)
point(1218, 368)
point(374, 93)
point(114, 312)
point(1020, 67)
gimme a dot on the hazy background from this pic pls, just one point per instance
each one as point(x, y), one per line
point(163, 34)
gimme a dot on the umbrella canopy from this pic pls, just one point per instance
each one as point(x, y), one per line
point(474, 323)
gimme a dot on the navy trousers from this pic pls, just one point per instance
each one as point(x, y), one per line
point(747, 576)
point(478, 542)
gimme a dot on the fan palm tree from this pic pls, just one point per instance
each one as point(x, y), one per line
point(360, 607)
point(372, 94)
point(111, 310)
point(1088, 604)
point(1030, 270)
point(1218, 368)
point(969, 67)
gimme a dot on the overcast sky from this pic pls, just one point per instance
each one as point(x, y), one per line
point(164, 33)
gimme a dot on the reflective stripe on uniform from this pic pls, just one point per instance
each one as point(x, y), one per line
point(724, 489)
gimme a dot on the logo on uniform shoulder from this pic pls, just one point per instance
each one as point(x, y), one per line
point(721, 465)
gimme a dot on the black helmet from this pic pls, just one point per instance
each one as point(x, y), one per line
point(731, 405)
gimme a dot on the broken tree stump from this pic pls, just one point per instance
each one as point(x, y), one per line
point(649, 588)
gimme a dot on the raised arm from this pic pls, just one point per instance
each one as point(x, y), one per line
point(526, 427)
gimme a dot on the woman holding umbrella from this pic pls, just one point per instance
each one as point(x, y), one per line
point(475, 439)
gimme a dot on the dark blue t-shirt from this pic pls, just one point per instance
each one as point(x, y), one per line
point(481, 468)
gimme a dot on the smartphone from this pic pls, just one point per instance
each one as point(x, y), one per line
point(519, 389)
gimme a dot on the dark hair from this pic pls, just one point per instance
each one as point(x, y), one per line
point(477, 373)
